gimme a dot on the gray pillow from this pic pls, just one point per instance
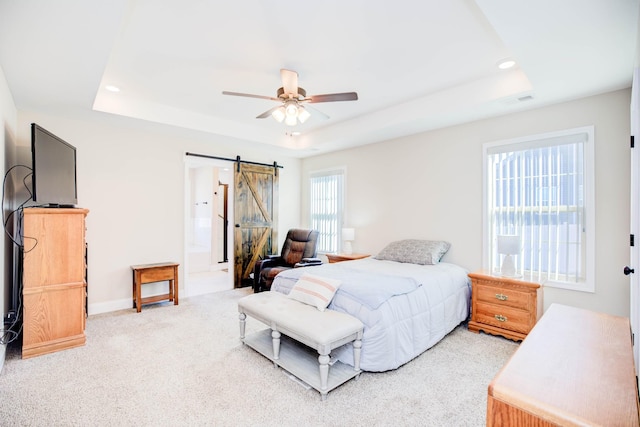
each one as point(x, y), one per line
point(423, 252)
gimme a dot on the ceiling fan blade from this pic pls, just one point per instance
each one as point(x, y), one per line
point(248, 95)
point(315, 111)
point(268, 112)
point(289, 81)
point(333, 97)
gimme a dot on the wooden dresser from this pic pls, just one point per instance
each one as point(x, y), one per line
point(504, 306)
point(54, 280)
point(575, 368)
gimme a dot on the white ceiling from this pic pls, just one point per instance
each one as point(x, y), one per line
point(415, 64)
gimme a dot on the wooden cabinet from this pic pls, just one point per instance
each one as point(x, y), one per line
point(54, 280)
point(504, 306)
point(344, 257)
point(574, 368)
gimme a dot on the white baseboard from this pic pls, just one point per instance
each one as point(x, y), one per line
point(105, 307)
point(127, 303)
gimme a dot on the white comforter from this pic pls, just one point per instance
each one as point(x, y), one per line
point(402, 318)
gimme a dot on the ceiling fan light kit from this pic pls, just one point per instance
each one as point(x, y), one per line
point(303, 114)
point(291, 113)
point(291, 96)
point(291, 120)
point(279, 114)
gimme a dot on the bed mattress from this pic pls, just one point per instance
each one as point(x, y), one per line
point(405, 308)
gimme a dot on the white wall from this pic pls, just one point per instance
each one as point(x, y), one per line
point(430, 186)
point(8, 118)
point(131, 178)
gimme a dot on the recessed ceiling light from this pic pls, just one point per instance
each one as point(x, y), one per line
point(505, 64)
point(112, 88)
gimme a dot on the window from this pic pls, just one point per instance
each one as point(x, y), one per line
point(540, 189)
point(327, 206)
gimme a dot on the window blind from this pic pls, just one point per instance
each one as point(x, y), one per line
point(535, 189)
point(327, 205)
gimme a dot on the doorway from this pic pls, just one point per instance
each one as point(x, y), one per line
point(208, 226)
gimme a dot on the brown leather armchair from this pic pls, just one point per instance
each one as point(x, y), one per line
point(298, 250)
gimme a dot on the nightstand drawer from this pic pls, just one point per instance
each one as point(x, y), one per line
point(503, 296)
point(504, 317)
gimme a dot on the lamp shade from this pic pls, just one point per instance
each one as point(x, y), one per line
point(303, 114)
point(509, 245)
point(348, 234)
point(278, 114)
point(291, 120)
point(291, 109)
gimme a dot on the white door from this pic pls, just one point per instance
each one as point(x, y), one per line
point(635, 220)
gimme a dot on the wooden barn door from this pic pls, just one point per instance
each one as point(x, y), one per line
point(256, 218)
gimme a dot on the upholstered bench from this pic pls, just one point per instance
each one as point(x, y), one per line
point(320, 330)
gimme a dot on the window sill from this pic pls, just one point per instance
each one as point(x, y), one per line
point(583, 286)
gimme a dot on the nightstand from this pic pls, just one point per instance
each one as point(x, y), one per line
point(504, 305)
point(344, 257)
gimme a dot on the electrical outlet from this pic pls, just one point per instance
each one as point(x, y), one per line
point(10, 317)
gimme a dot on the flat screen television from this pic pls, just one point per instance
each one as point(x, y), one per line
point(54, 169)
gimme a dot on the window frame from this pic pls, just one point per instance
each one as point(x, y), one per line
point(588, 283)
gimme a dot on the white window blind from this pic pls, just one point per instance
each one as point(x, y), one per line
point(540, 189)
point(327, 205)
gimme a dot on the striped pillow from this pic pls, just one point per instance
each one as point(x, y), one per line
point(314, 290)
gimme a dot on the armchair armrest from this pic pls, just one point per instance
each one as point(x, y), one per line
point(306, 262)
point(269, 261)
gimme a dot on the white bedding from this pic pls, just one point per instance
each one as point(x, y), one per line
point(424, 304)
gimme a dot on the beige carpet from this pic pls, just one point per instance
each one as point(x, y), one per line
point(184, 365)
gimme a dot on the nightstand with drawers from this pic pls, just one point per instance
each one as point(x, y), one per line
point(344, 257)
point(504, 306)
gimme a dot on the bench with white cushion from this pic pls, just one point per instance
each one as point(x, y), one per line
point(320, 330)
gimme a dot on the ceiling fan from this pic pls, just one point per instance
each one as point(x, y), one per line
point(291, 97)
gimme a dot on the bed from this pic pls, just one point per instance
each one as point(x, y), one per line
point(406, 307)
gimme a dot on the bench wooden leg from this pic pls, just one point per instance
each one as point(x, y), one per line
point(275, 339)
point(176, 286)
point(357, 346)
point(137, 291)
point(323, 360)
point(243, 321)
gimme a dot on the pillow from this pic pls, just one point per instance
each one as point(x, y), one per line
point(314, 290)
point(423, 252)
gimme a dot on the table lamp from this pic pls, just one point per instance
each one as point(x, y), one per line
point(348, 236)
point(508, 245)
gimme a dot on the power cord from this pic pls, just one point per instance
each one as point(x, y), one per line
point(12, 325)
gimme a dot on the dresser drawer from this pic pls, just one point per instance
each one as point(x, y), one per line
point(504, 317)
point(507, 296)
